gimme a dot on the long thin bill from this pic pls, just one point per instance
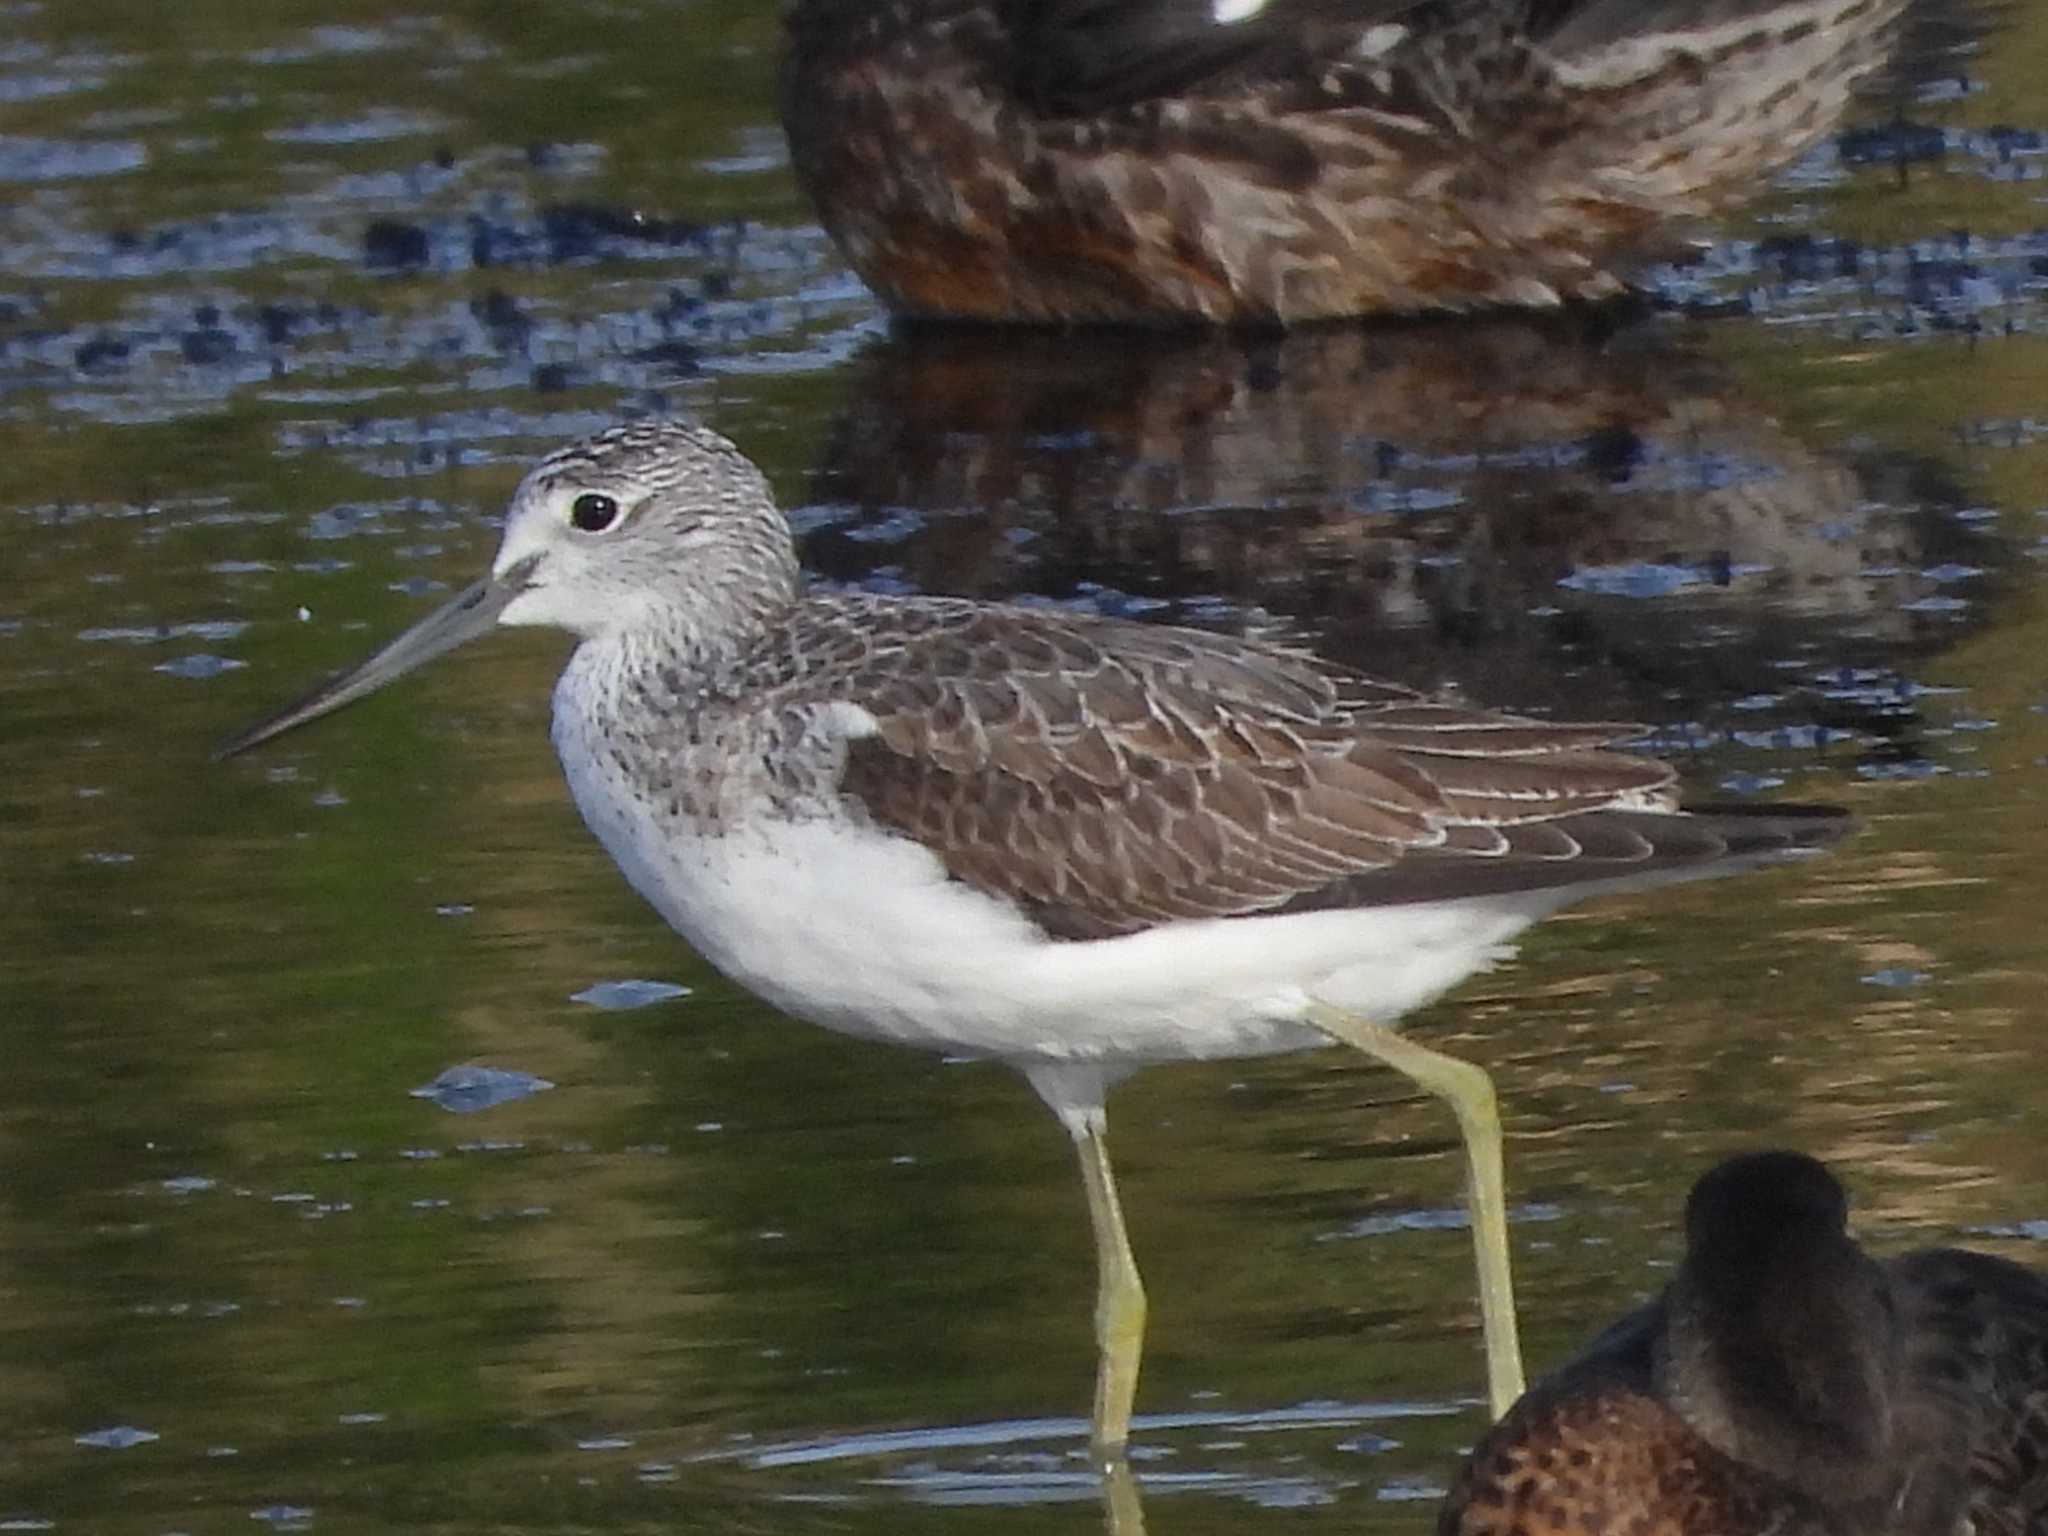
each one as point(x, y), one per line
point(471, 612)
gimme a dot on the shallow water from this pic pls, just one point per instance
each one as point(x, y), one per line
point(285, 305)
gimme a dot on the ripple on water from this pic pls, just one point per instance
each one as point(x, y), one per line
point(42, 160)
point(629, 994)
point(199, 665)
point(118, 1437)
point(464, 1090)
point(1249, 1456)
point(1638, 579)
point(1442, 1219)
point(151, 634)
point(284, 1517)
point(371, 127)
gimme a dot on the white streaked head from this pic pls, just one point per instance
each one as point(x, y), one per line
point(656, 525)
point(655, 514)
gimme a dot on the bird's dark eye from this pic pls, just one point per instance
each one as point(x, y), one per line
point(593, 512)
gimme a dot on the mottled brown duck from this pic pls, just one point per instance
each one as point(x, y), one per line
point(1271, 161)
point(1786, 1384)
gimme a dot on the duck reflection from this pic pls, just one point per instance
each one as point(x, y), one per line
point(1579, 512)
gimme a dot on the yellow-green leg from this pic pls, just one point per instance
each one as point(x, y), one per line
point(1469, 1091)
point(1119, 1300)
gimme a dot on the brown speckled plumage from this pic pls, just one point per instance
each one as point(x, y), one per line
point(1050, 160)
point(1786, 1385)
point(1614, 1461)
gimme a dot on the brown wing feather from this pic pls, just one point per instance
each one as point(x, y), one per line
point(1109, 777)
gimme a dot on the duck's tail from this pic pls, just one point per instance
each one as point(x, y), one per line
point(1704, 98)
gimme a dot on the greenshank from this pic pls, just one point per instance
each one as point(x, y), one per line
point(1785, 1382)
point(1071, 843)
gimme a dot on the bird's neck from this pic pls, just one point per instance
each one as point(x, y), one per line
point(684, 652)
point(1794, 1368)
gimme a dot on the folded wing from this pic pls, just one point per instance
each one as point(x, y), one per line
point(1109, 777)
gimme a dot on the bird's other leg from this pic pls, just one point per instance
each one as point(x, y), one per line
point(1469, 1091)
point(1076, 1094)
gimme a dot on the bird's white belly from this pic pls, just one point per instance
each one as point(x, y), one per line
point(862, 931)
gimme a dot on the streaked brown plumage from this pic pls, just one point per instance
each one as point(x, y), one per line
point(1224, 160)
point(1786, 1385)
point(1110, 777)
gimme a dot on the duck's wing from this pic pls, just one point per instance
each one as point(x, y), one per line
point(1977, 1328)
point(1701, 27)
point(1081, 57)
point(1109, 777)
point(1077, 57)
